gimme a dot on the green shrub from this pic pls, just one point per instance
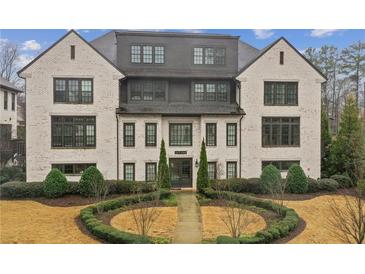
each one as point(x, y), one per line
point(203, 180)
point(21, 190)
point(12, 174)
point(343, 181)
point(239, 185)
point(361, 188)
point(270, 179)
point(55, 185)
point(313, 185)
point(327, 185)
point(227, 240)
point(129, 187)
point(90, 175)
point(297, 181)
point(163, 172)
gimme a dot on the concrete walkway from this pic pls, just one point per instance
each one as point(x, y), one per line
point(189, 226)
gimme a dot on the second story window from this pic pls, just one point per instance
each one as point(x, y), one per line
point(151, 134)
point(281, 93)
point(209, 56)
point(280, 131)
point(231, 134)
point(147, 54)
point(128, 135)
point(73, 91)
point(181, 135)
point(210, 91)
point(12, 101)
point(211, 134)
point(5, 100)
point(147, 90)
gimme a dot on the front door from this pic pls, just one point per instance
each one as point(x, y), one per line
point(181, 172)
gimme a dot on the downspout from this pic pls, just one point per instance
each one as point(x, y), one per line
point(117, 117)
point(240, 127)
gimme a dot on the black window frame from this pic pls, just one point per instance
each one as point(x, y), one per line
point(153, 144)
point(124, 171)
point(62, 167)
point(73, 52)
point(271, 93)
point(214, 143)
point(217, 96)
point(67, 124)
point(153, 54)
point(215, 170)
point(65, 96)
point(227, 166)
point(280, 123)
point(154, 164)
point(151, 87)
point(6, 99)
point(280, 163)
point(181, 124)
point(133, 140)
point(215, 56)
point(13, 101)
point(227, 136)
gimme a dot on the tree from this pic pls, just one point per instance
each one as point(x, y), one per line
point(203, 180)
point(353, 64)
point(347, 151)
point(163, 174)
point(325, 144)
point(8, 58)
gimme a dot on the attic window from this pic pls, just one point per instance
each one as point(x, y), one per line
point(72, 52)
point(281, 57)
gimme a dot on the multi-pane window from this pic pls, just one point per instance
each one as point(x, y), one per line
point(152, 90)
point(129, 169)
point(73, 131)
point(231, 134)
point(72, 169)
point(5, 100)
point(281, 93)
point(209, 56)
point(151, 134)
point(13, 101)
point(231, 170)
point(281, 165)
point(151, 171)
point(212, 170)
point(74, 91)
point(280, 131)
point(128, 134)
point(210, 91)
point(147, 54)
point(181, 135)
point(211, 134)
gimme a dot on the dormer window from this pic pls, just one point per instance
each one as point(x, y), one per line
point(209, 56)
point(147, 54)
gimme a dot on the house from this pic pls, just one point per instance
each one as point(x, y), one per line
point(8, 118)
point(110, 102)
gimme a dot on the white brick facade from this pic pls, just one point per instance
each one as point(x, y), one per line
point(9, 116)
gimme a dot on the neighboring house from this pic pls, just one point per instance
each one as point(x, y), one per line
point(110, 102)
point(8, 119)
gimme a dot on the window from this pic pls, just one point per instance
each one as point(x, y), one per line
point(129, 171)
point(5, 133)
point(128, 137)
point(231, 134)
point(73, 131)
point(280, 131)
point(72, 52)
point(211, 134)
point(151, 132)
point(281, 93)
point(212, 170)
point(210, 91)
point(72, 169)
point(153, 90)
point(73, 91)
point(13, 101)
point(151, 172)
point(231, 170)
point(281, 57)
point(181, 135)
point(5, 100)
point(281, 165)
point(147, 54)
point(209, 56)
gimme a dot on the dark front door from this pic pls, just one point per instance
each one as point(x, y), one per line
point(181, 172)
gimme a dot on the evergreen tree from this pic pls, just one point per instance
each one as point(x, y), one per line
point(347, 151)
point(325, 144)
point(203, 180)
point(163, 174)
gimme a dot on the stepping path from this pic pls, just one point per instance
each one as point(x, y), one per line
point(189, 225)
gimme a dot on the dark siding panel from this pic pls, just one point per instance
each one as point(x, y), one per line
point(123, 92)
point(179, 91)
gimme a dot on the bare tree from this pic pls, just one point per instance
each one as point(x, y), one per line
point(8, 58)
point(100, 190)
point(347, 222)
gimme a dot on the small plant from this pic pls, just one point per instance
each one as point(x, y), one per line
point(100, 189)
point(89, 178)
point(202, 180)
point(55, 185)
point(296, 180)
point(163, 174)
point(235, 218)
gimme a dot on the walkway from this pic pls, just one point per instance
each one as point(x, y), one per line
point(189, 226)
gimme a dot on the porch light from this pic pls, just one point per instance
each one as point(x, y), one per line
point(196, 163)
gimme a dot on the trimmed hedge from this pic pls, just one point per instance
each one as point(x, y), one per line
point(279, 229)
point(109, 233)
point(55, 185)
point(227, 240)
point(128, 187)
point(270, 178)
point(240, 185)
point(296, 180)
point(322, 185)
point(88, 176)
point(343, 181)
point(11, 174)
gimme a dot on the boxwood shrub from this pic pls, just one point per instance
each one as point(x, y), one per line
point(55, 185)
point(21, 190)
point(227, 240)
point(343, 181)
point(240, 185)
point(297, 182)
point(12, 174)
point(88, 176)
point(327, 185)
point(270, 178)
point(109, 233)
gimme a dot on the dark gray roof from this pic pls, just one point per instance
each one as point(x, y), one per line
point(180, 108)
point(246, 53)
point(174, 34)
point(5, 84)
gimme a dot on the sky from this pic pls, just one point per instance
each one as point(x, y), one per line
point(33, 42)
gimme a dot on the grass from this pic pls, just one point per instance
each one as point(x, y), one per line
point(170, 201)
